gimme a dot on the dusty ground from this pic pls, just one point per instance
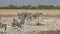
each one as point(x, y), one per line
point(13, 12)
point(50, 27)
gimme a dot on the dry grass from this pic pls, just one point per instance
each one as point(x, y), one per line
point(46, 32)
point(50, 32)
point(15, 11)
point(42, 32)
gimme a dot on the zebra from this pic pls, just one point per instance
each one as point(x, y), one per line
point(15, 23)
point(3, 26)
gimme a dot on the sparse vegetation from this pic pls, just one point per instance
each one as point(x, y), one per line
point(30, 7)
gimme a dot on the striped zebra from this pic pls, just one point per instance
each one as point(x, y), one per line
point(3, 26)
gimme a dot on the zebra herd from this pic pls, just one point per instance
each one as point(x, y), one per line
point(22, 16)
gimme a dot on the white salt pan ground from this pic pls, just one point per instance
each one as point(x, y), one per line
point(50, 24)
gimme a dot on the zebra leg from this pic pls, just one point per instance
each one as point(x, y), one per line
point(2, 30)
point(5, 28)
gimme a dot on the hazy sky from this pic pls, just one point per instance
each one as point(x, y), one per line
point(27, 2)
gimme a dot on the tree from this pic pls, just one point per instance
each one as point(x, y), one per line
point(0, 7)
point(40, 6)
point(12, 6)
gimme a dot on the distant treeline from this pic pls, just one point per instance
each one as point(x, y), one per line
point(31, 7)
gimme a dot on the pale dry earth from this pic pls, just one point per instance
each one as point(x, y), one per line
point(52, 25)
